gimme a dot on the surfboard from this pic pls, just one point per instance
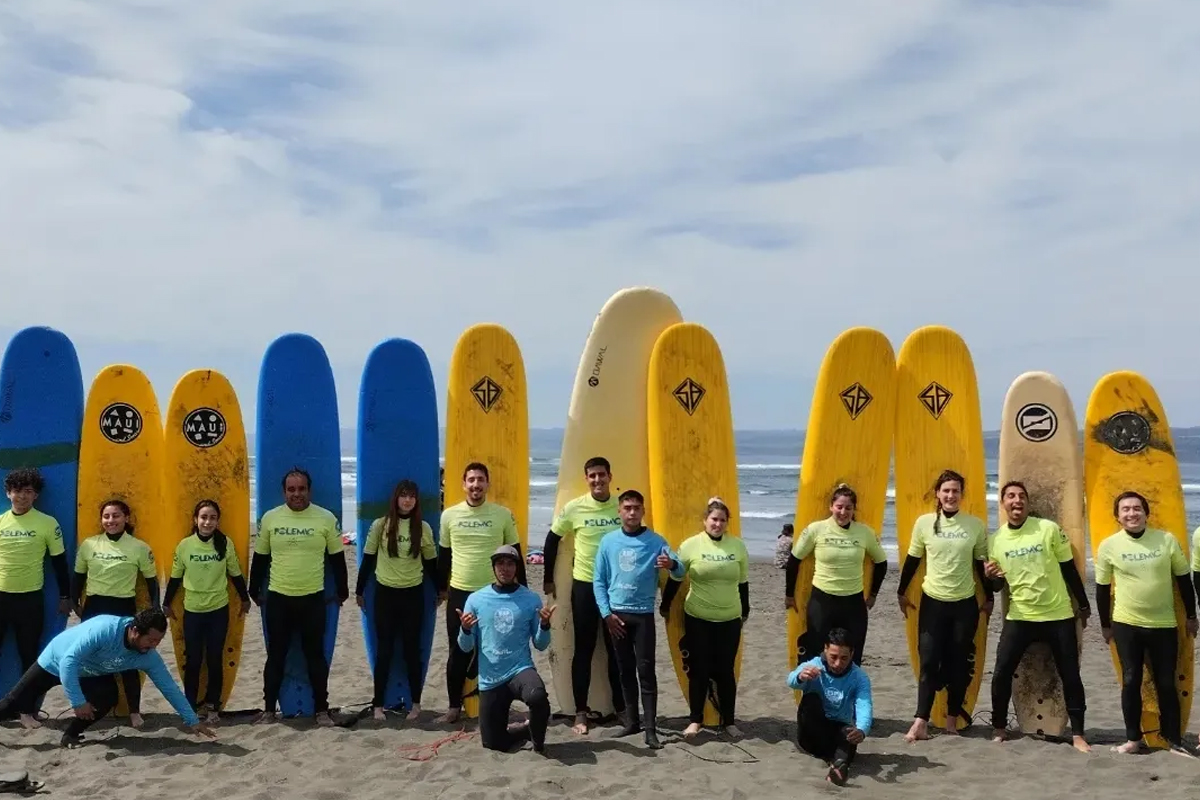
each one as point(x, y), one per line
point(41, 412)
point(692, 458)
point(487, 420)
point(1039, 446)
point(297, 425)
point(1127, 446)
point(609, 395)
point(938, 427)
point(121, 456)
point(398, 438)
point(206, 458)
point(848, 440)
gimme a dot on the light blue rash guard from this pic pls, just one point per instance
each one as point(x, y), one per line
point(97, 647)
point(625, 577)
point(505, 624)
point(846, 698)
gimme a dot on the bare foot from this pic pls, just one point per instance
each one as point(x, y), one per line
point(30, 722)
point(325, 720)
point(581, 724)
point(450, 717)
point(136, 721)
point(415, 713)
point(999, 734)
point(264, 718)
point(951, 727)
point(1181, 750)
point(212, 717)
point(691, 731)
point(919, 731)
point(517, 727)
point(732, 732)
point(1128, 748)
point(1080, 744)
point(379, 714)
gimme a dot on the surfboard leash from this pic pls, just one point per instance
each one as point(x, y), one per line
point(427, 752)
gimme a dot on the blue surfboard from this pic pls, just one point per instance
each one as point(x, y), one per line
point(297, 425)
point(397, 438)
point(41, 416)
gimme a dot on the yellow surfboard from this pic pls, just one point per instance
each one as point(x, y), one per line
point(938, 427)
point(1039, 446)
point(848, 440)
point(120, 456)
point(206, 458)
point(692, 459)
point(1127, 446)
point(487, 420)
point(609, 395)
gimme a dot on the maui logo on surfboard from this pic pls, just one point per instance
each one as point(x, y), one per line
point(120, 423)
point(204, 427)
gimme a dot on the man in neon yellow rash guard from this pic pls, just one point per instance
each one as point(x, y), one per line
point(586, 519)
point(1032, 558)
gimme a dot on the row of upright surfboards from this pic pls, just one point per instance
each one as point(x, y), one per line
point(650, 394)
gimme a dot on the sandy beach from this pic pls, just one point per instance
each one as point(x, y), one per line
point(295, 759)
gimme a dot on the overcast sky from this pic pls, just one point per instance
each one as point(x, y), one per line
point(182, 182)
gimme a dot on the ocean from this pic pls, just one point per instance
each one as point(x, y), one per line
point(768, 477)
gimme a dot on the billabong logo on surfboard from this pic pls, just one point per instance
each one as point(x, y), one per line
point(204, 427)
point(1037, 422)
point(120, 423)
point(1126, 432)
point(935, 398)
point(855, 398)
point(486, 392)
point(689, 394)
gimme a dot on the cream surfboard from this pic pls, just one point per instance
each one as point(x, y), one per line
point(487, 420)
point(848, 440)
point(121, 457)
point(692, 459)
point(609, 396)
point(206, 458)
point(938, 427)
point(1127, 446)
point(1039, 446)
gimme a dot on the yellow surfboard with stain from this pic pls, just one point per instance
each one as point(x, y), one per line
point(692, 458)
point(206, 458)
point(848, 440)
point(487, 420)
point(121, 457)
point(1127, 446)
point(1039, 446)
point(938, 427)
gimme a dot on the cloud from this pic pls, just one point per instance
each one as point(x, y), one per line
point(207, 177)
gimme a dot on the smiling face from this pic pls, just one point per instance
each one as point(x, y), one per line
point(949, 496)
point(296, 492)
point(715, 522)
point(113, 520)
point(1131, 514)
point(206, 520)
point(405, 503)
point(1015, 503)
point(842, 510)
point(598, 479)
point(22, 499)
point(475, 485)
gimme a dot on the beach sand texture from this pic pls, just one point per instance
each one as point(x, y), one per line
point(295, 759)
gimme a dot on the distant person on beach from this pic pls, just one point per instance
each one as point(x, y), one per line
point(1031, 558)
point(1147, 565)
point(470, 532)
point(839, 546)
point(586, 519)
point(716, 606)
point(783, 545)
point(953, 544)
point(83, 658)
point(205, 567)
point(27, 536)
point(107, 567)
point(626, 585)
point(400, 561)
point(835, 713)
point(498, 622)
point(296, 541)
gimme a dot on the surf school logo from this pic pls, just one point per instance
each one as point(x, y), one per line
point(487, 393)
point(204, 427)
point(1126, 432)
point(594, 380)
point(935, 398)
point(503, 620)
point(1037, 422)
point(627, 560)
point(120, 423)
point(855, 398)
point(689, 394)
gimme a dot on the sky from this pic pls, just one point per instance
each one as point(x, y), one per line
point(182, 183)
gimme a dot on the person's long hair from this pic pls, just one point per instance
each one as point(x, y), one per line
point(220, 540)
point(391, 525)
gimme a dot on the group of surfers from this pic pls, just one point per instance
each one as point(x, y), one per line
point(493, 619)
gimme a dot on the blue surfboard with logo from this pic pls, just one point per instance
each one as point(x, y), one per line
point(398, 438)
point(297, 426)
point(41, 416)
